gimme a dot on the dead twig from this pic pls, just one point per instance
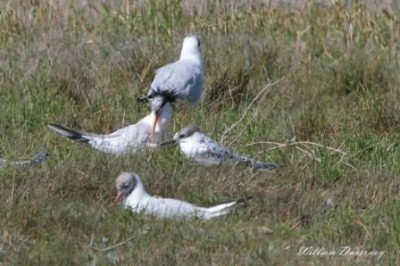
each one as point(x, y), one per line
point(281, 145)
point(268, 86)
point(305, 148)
point(92, 246)
point(310, 154)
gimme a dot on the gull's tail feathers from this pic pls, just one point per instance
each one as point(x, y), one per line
point(256, 164)
point(224, 208)
point(75, 135)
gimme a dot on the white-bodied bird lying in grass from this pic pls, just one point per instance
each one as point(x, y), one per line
point(131, 192)
point(127, 140)
point(198, 147)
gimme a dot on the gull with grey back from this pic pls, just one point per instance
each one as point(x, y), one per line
point(198, 147)
point(127, 140)
point(131, 192)
point(180, 80)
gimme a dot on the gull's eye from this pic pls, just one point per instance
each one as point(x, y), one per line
point(125, 186)
point(181, 136)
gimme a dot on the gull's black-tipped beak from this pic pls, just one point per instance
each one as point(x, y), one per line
point(168, 142)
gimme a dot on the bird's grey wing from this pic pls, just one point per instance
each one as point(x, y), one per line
point(177, 79)
point(125, 140)
point(217, 152)
point(76, 135)
point(213, 150)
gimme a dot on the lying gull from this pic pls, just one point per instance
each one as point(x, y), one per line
point(131, 191)
point(127, 140)
point(181, 80)
point(198, 147)
point(36, 159)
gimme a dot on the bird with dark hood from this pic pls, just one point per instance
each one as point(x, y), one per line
point(131, 191)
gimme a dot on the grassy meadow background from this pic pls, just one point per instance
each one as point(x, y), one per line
point(314, 88)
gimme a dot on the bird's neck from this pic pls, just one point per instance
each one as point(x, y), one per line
point(191, 55)
point(137, 194)
point(165, 116)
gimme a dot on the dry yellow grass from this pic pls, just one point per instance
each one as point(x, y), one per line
point(334, 113)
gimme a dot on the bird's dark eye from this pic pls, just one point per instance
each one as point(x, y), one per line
point(125, 186)
point(181, 136)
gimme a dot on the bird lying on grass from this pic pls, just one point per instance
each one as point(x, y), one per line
point(127, 140)
point(131, 191)
point(198, 147)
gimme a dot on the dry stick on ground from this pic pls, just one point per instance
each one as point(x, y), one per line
point(281, 145)
point(91, 245)
point(306, 144)
point(268, 86)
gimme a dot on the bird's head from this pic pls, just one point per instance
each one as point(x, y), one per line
point(182, 134)
point(125, 183)
point(191, 48)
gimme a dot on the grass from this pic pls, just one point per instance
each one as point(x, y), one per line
point(82, 65)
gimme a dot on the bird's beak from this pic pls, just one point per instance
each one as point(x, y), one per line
point(153, 128)
point(118, 198)
point(171, 141)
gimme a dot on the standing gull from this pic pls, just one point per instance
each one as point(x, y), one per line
point(127, 140)
point(180, 80)
point(198, 147)
point(131, 191)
